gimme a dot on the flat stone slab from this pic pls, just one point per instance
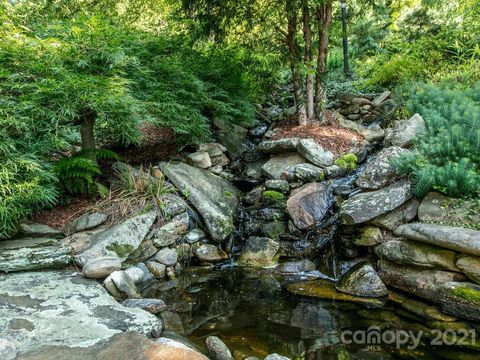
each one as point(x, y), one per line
point(278, 164)
point(453, 238)
point(54, 308)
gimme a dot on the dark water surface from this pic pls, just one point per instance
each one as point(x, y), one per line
point(250, 310)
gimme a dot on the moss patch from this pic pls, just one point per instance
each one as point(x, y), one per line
point(121, 250)
point(347, 162)
point(467, 293)
point(273, 195)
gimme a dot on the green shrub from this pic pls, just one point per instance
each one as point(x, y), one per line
point(447, 158)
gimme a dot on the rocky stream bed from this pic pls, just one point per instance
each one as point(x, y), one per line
point(267, 249)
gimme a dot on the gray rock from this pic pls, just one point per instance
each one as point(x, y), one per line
point(214, 198)
point(259, 252)
point(295, 267)
point(276, 357)
point(217, 349)
point(145, 251)
point(200, 159)
point(210, 253)
point(278, 146)
point(63, 310)
point(308, 205)
point(80, 241)
point(136, 274)
point(217, 170)
point(421, 282)
point(157, 269)
point(370, 236)
point(334, 172)
point(213, 149)
point(438, 208)
point(379, 171)
point(33, 254)
point(7, 350)
point(32, 230)
point(426, 311)
point(314, 153)
point(372, 135)
point(278, 185)
point(194, 236)
point(458, 239)
point(120, 240)
point(85, 222)
point(406, 132)
point(101, 267)
point(172, 231)
point(422, 255)
point(381, 98)
point(173, 205)
point(401, 215)
point(461, 299)
point(173, 322)
point(362, 280)
point(232, 136)
point(153, 306)
point(124, 284)
point(278, 164)
point(470, 266)
point(167, 257)
point(308, 172)
point(367, 206)
point(221, 160)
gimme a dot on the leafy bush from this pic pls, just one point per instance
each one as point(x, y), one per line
point(447, 158)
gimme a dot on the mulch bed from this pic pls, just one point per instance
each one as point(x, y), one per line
point(330, 135)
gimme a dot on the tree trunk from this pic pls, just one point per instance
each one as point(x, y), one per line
point(346, 67)
point(324, 19)
point(87, 123)
point(309, 79)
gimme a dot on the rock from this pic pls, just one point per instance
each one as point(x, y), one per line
point(217, 170)
point(214, 198)
point(308, 205)
point(136, 274)
point(406, 132)
point(210, 253)
point(157, 269)
point(85, 222)
point(120, 240)
point(63, 310)
point(173, 322)
point(200, 159)
point(7, 350)
point(123, 346)
point(278, 146)
point(334, 172)
point(145, 251)
point(80, 241)
point(232, 136)
point(370, 236)
point(221, 160)
point(295, 267)
point(372, 135)
point(324, 289)
point(453, 238)
point(254, 170)
point(259, 252)
point(276, 357)
point(461, 299)
point(194, 236)
point(153, 306)
point(32, 230)
point(278, 185)
point(278, 164)
point(308, 172)
point(33, 254)
point(422, 255)
point(379, 172)
point(101, 267)
point(426, 311)
point(258, 131)
point(213, 149)
point(172, 231)
point(421, 282)
point(314, 153)
point(173, 205)
point(366, 206)
point(470, 266)
point(401, 215)
point(381, 98)
point(362, 280)
point(124, 284)
point(217, 349)
point(167, 257)
point(438, 208)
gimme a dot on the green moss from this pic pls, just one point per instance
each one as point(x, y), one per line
point(347, 162)
point(228, 194)
point(274, 229)
point(121, 250)
point(273, 195)
point(467, 293)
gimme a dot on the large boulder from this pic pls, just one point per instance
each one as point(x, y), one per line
point(405, 132)
point(213, 197)
point(458, 239)
point(120, 240)
point(308, 205)
point(314, 153)
point(379, 172)
point(278, 164)
point(54, 308)
point(411, 253)
point(401, 215)
point(278, 146)
point(367, 206)
point(362, 280)
point(34, 254)
point(259, 252)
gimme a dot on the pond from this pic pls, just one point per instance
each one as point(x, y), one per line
point(250, 310)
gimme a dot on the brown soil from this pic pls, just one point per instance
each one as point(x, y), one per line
point(330, 135)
